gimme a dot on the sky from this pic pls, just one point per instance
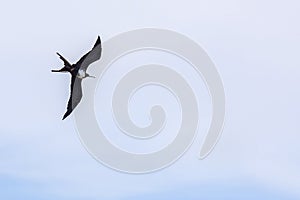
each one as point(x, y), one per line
point(254, 45)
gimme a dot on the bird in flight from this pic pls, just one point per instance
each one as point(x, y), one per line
point(78, 73)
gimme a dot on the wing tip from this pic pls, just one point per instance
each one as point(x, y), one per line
point(66, 114)
point(58, 54)
point(98, 41)
point(64, 117)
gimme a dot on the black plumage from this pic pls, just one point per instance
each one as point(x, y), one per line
point(78, 73)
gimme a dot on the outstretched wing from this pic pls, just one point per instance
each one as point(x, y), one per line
point(75, 96)
point(91, 56)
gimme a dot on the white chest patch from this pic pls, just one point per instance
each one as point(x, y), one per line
point(81, 74)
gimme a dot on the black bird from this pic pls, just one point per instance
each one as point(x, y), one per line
point(78, 72)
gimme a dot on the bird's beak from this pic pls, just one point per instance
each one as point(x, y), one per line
point(92, 76)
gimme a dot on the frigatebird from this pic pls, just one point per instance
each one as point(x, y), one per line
point(78, 73)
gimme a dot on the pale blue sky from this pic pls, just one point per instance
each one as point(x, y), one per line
point(255, 46)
